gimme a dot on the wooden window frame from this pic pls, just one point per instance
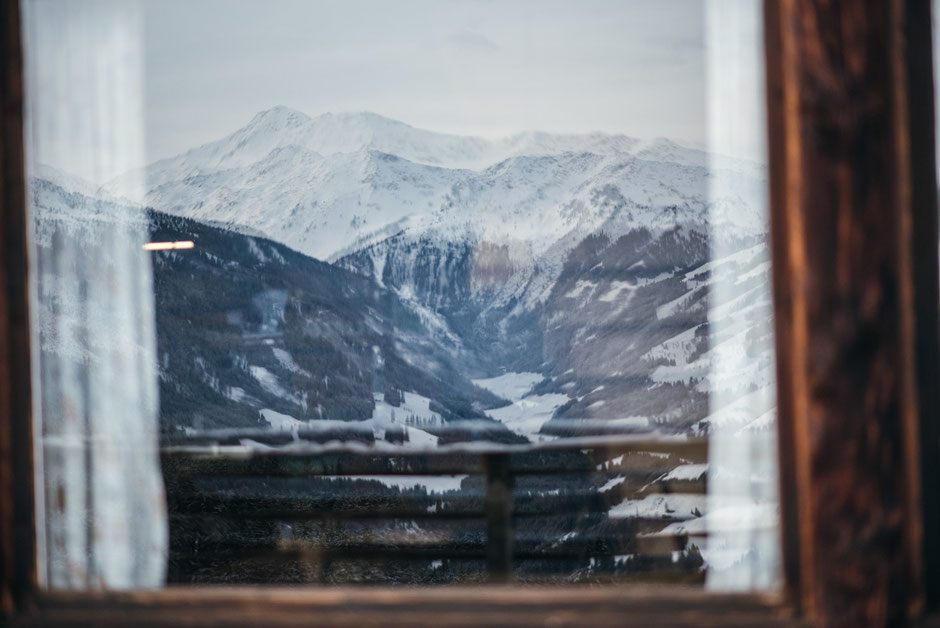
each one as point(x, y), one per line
point(853, 204)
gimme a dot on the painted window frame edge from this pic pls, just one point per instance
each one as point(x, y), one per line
point(812, 587)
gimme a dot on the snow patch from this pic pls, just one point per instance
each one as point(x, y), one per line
point(611, 483)
point(675, 506)
point(512, 386)
point(581, 286)
point(288, 363)
point(616, 288)
point(269, 382)
point(525, 415)
point(282, 422)
point(687, 472)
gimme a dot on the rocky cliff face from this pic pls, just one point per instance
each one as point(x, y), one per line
point(601, 328)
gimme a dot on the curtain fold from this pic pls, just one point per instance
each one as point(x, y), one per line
point(743, 551)
point(104, 506)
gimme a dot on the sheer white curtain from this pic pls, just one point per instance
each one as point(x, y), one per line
point(104, 508)
point(743, 515)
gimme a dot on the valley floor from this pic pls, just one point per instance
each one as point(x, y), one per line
point(527, 413)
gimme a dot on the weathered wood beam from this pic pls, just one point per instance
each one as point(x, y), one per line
point(854, 220)
point(498, 506)
point(919, 56)
point(17, 529)
point(498, 605)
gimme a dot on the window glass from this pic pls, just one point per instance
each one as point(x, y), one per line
point(401, 293)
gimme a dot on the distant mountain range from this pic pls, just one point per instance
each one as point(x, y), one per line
point(326, 185)
point(580, 262)
point(356, 279)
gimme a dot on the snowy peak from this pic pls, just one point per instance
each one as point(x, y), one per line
point(278, 117)
point(65, 180)
point(326, 184)
point(327, 134)
point(541, 143)
point(331, 134)
point(334, 133)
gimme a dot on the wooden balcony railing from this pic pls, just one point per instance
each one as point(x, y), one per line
point(226, 501)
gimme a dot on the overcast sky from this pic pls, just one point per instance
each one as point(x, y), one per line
point(483, 67)
point(480, 67)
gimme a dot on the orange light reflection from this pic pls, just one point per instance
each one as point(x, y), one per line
point(164, 246)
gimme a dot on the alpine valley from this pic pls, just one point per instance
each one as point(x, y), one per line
point(355, 278)
point(574, 268)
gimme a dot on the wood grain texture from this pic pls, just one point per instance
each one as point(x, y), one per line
point(924, 253)
point(17, 530)
point(781, 137)
point(446, 606)
point(855, 304)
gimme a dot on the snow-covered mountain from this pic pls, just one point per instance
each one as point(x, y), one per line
point(522, 290)
point(582, 258)
point(330, 184)
point(330, 133)
point(537, 287)
point(253, 334)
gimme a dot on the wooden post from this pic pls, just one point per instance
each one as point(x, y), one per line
point(921, 132)
point(498, 507)
point(854, 221)
point(17, 528)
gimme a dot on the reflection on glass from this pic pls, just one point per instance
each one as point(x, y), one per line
point(166, 246)
point(442, 351)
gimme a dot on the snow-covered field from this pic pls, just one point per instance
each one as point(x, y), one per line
point(415, 410)
point(690, 472)
point(411, 415)
point(526, 414)
point(282, 422)
point(676, 506)
point(510, 386)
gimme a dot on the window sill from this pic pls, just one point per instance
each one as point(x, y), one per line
point(643, 605)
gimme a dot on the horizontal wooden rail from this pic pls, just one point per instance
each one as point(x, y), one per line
point(405, 607)
point(384, 507)
point(191, 469)
point(589, 548)
point(311, 459)
point(295, 445)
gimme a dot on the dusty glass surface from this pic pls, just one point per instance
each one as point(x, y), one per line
point(401, 293)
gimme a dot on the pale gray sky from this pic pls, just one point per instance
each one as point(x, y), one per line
point(484, 67)
point(480, 67)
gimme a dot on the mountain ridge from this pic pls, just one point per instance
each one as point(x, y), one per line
point(323, 184)
point(521, 261)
